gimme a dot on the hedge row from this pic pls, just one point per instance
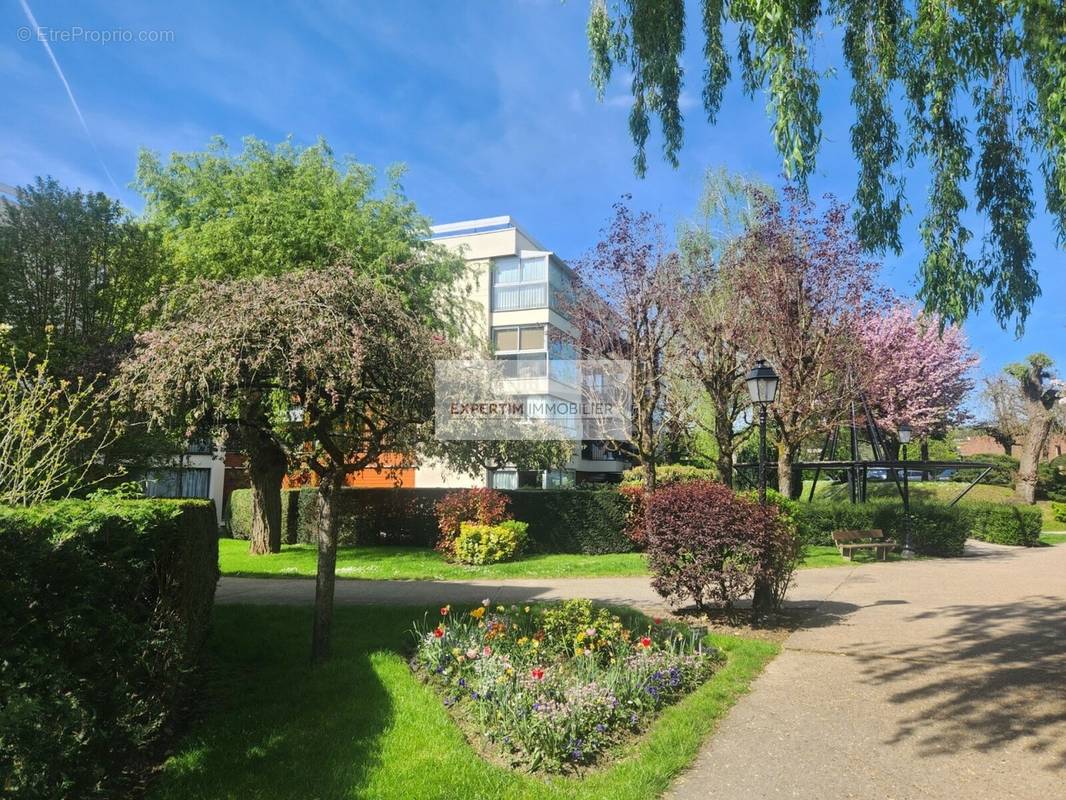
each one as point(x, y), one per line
point(1001, 523)
point(560, 520)
point(104, 606)
point(936, 529)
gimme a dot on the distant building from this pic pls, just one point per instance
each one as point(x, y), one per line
point(980, 444)
point(517, 285)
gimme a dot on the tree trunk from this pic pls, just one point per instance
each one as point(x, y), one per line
point(723, 438)
point(266, 469)
point(924, 453)
point(786, 483)
point(1033, 446)
point(328, 491)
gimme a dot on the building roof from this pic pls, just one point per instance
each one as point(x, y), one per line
point(483, 225)
point(471, 227)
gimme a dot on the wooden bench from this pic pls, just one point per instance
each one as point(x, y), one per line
point(848, 542)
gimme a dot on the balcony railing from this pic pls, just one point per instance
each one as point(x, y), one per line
point(520, 296)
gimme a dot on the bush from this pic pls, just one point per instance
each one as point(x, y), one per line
point(635, 521)
point(483, 506)
point(367, 516)
point(1059, 510)
point(489, 544)
point(590, 521)
point(104, 606)
point(708, 544)
point(666, 474)
point(936, 528)
point(1004, 523)
point(997, 477)
point(1051, 480)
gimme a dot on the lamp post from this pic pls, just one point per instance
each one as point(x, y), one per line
point(904, 439)
point(762, 386)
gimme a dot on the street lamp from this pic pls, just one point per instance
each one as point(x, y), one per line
point(904, 439)
point(762, 386)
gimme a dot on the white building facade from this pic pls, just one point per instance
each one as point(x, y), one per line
point(516, 285)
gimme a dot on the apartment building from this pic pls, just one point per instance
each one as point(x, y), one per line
point(517, 285)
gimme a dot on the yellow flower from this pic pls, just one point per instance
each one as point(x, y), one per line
point(578, 651)
point(536, 644)
point(523, 640)
point(501, 609)
point(526, 609)
point(478, 612)
point(456, 651)
point(580, 637)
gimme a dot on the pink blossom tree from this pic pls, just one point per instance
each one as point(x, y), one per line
point(913, 372)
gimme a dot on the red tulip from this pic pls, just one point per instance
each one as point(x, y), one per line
point(537, 673)
point(645, 641)
point(444, 611)
point(438, 631)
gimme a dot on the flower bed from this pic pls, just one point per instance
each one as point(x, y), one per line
point(555, 687)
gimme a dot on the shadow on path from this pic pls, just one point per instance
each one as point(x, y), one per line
point(996, 675)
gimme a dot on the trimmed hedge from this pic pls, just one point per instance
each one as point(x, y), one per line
point(936, 529)
point(669, 473)
point(1059, 510)
point(590, 521)
point(104, 606)
point(1002, 523)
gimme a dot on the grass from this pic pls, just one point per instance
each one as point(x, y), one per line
point(362, 726)
point(1053, 538)
point(419, 563)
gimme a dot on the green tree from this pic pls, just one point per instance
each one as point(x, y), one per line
point(1005, 58)
point(1041, 398)
point(335, 390)
point(268, 211)
point(77, 265)
point(710, 355)
point(53, 431)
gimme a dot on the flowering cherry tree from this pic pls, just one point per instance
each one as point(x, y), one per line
point(912, 372)
point(800, 285)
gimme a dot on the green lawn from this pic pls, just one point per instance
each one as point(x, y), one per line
point(1053, 538)
point(363, 727)
point(817, 556)
point(419, 563)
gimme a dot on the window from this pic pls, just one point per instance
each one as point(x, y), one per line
point(520, 283)
point(528, 337)
point(598, 451)
point(522, 351)
point(505, 339)
point(530, 479)
point(179, 482)
point(504, 479)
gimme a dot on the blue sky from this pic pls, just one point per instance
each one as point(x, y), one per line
point(487, 103)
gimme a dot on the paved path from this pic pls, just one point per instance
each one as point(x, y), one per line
point(934, 679)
